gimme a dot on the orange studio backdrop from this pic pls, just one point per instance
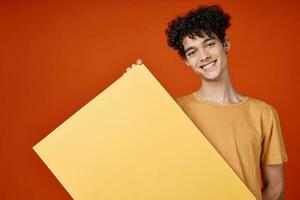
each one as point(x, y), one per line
point(55, 56)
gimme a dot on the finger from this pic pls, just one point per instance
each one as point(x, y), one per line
point(139, 61)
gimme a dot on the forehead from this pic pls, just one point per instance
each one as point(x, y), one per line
point(187, 41)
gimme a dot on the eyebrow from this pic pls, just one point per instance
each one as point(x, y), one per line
point(206, 40)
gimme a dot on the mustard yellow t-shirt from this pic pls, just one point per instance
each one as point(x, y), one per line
point(246, 134)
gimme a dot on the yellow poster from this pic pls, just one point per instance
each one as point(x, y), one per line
point(133, 142)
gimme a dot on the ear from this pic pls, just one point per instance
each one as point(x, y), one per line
point(226, 44)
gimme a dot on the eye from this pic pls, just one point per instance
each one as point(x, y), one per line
point(191, 53)
point(211, 44)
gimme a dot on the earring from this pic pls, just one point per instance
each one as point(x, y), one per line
point(226, 48)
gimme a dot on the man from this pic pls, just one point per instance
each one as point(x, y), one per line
point(245, 131)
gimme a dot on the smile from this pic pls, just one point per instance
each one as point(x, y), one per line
point(209, 65)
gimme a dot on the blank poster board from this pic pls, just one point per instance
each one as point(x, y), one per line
point(133, 142)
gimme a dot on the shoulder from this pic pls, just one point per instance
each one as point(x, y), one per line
point(183, 100)
point(266, 110)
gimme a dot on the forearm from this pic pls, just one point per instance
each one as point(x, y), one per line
point(270, 193)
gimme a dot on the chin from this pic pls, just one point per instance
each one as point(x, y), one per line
point(212, 76)
point(215, 75)
point(215, 78)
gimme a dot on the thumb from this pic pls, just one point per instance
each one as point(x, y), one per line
point(139, 61)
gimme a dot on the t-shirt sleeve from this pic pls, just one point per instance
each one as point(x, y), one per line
point(180, 101)
point(273, 148)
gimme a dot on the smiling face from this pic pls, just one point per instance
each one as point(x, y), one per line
point(206, 55)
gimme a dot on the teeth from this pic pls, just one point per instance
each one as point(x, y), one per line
point(208, 65)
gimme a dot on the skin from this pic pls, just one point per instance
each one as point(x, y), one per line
point(216, 84)
point(216, 87)
point(273, 176)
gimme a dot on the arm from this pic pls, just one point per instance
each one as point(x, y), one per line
point(273, 178)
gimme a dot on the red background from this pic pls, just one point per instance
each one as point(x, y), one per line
point(56, 56)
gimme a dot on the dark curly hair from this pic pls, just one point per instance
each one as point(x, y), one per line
point(204, 19)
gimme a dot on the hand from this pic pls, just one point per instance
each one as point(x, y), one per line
point(137, 62)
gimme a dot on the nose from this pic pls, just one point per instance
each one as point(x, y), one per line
point(204, 56)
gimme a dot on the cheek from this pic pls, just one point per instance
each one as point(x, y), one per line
point(224, 60)
point(192, 64)
point(223, 56)
point(193, 61)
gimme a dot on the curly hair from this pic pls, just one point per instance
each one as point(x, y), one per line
point(204, 19)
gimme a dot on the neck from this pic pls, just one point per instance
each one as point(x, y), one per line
point(219, 91)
